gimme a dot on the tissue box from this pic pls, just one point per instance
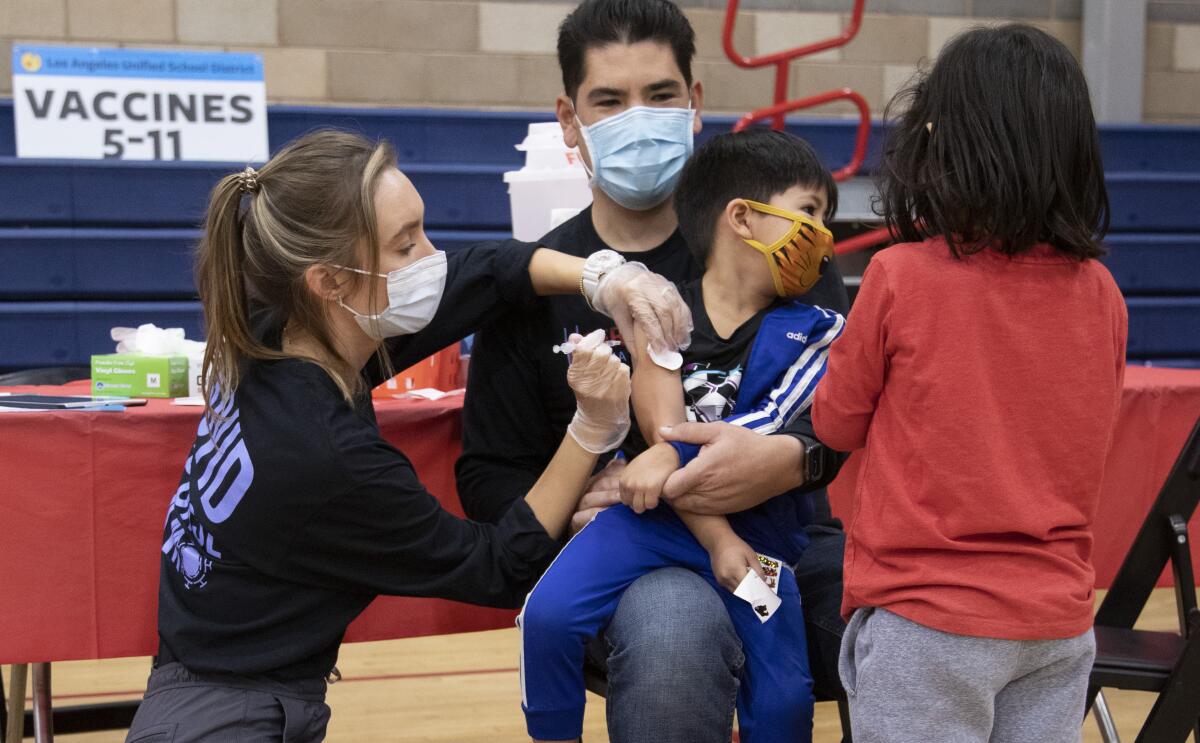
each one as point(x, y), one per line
point(138, 375)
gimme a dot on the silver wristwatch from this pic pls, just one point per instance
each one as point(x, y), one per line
point(597, 264)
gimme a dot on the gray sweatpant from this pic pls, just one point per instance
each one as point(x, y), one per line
point(185, 707)
point(909, 683)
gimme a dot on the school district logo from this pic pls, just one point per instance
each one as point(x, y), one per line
point(31, 62)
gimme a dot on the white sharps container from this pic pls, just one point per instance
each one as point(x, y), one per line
point(553, 183)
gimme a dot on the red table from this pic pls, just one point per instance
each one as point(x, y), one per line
point(82, 501)
point(83, 496)
point(1159, 407)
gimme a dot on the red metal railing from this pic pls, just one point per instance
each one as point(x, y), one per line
point(778, 110)
point(865, 241)
point(782, 106)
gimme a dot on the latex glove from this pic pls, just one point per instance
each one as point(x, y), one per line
point(601, 386)
point(632, 294)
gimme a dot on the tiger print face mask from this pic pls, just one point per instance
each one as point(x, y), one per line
point(799, 258)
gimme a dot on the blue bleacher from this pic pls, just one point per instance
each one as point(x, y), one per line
point(87, 245)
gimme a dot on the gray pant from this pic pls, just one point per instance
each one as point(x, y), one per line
point(182, 707)
point(907, 682)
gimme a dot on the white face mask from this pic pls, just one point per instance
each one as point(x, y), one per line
point(414, 293)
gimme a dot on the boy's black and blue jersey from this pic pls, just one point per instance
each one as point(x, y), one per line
point(761, 377)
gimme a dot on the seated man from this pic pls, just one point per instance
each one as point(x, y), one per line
point(617, 55)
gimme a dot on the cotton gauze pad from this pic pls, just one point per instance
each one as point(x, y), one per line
point(670, 360)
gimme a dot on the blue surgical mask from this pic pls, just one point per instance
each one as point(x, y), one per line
point(638, 154)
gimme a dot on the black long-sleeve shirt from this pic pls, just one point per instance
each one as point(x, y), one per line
point(293, 513)
point(518, 403)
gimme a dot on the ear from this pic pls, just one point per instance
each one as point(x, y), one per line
point(570, 124)
point(698, 105)
point(737, 217)
point(566, 119)
point(324, 282)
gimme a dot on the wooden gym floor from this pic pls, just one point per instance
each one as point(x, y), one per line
point(464, 689)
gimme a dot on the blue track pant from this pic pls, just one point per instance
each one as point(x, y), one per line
point(576, 598)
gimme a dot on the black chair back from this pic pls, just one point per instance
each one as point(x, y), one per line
point(1163, 536)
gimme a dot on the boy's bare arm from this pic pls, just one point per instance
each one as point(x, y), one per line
point(658, 401)
point(657, 392)
point(709, 531)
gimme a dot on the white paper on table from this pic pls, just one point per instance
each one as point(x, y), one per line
point(429, 393)
point(754, 591)
point(189, 401)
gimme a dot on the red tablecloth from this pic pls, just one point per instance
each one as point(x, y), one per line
point(1158, 409)
point(82, 501)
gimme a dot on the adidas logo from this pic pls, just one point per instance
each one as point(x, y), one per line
point(798, 337)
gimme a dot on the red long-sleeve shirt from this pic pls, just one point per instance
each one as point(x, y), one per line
point(984, 391)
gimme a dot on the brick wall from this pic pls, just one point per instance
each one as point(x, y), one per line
point(464, 53)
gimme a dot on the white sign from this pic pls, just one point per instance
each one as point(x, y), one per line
point(128, 104)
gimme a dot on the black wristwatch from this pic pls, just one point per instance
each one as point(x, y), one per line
point(814, 459)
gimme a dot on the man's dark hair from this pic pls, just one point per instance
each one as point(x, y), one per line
point(756, 164)
point(1013, 157)
point(600, 22)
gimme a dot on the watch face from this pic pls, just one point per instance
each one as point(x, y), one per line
point(605, 260)
point(814, 460)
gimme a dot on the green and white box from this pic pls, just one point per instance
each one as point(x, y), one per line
point(135, 375)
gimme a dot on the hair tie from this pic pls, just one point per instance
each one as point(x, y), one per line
point(248, 180)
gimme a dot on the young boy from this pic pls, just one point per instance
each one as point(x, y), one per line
point(752, 206)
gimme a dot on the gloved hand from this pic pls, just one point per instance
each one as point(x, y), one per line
point(632, 294)
point(601, 386)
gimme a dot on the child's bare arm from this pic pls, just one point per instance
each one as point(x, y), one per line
point(657, 392)
point(729, 554)
point(658, 401)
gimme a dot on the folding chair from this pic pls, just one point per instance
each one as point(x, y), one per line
point(1162, 662)
point(597, 683)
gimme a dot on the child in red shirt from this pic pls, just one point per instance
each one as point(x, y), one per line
point(981, 371)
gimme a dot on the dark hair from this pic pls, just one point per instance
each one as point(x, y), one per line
point(1013, 158)
point(756, 164)
point(601, 22)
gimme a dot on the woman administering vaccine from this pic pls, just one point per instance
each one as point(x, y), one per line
point(293, 513)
